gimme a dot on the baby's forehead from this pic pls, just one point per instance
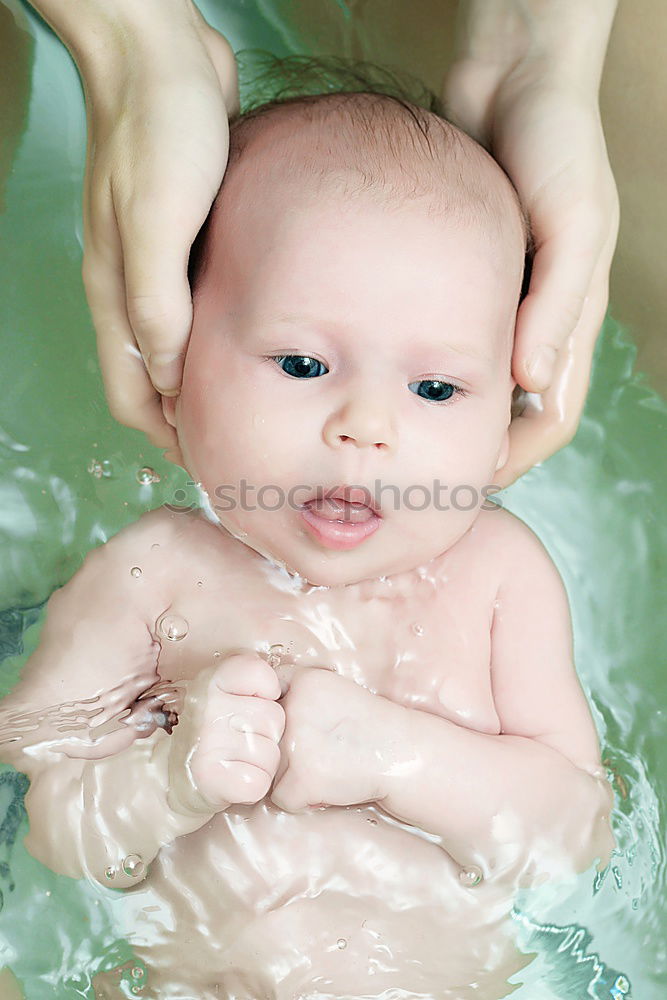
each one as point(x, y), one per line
point(377, 148)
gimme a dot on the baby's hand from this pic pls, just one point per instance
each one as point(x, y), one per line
point(340, 739)
point(224, 750)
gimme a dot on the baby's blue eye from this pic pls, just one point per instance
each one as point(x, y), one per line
point(300, 365)
point(430, 388)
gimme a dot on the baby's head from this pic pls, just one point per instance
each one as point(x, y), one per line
point(355, 298)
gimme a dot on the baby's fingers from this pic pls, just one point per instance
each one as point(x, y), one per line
point(246, 716)
point(223, 782)
point(247, 674)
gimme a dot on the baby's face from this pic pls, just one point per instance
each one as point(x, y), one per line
point(345, 344)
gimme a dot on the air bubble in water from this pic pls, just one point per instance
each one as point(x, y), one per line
point(275, 654)
point(146, 476)
point(418, 629)
point(133, 865)
point(137, 972)
point(342, 943)
point(172, 627)
point(110, 872)
point(100, 469)
point(470, 877)
point(135, 571)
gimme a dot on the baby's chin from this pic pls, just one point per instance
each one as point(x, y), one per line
point(326, 568)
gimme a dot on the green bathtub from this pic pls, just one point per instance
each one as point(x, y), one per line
point(70, 478)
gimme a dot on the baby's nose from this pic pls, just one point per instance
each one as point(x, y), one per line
point(364, 423)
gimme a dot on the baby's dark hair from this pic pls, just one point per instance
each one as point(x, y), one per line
point(382, 122)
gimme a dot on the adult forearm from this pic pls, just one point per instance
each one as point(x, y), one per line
point(98, 33)
point(569, 37)
point(88, 817)
point(511, 806)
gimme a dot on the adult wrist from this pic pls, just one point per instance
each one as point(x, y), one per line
point(558, 37)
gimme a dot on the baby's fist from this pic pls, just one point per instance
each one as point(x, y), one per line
point(225, 748)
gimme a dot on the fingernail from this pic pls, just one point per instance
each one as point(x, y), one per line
point(165, 372)
point(541, 366)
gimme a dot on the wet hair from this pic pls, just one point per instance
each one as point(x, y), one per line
point(372, 131)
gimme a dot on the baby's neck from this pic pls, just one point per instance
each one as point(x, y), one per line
point(288, 579)
point(381, 587)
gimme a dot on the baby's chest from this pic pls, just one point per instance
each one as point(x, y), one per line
point(432, 652)
point(421, 644)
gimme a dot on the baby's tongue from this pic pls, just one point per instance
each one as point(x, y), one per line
point(340, 510)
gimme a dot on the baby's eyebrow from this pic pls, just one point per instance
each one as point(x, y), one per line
point(418, 349)
point(442, 348)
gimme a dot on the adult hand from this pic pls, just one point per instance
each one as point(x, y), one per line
point(159, 85)
point(544, 127)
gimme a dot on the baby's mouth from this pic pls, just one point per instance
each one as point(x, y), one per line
point(342, 518)
point(336, 509)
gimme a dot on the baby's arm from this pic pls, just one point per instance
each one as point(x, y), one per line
point(97, 800)
point(96, 655)
point(534, 798)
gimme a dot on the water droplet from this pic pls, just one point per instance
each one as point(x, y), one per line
point(146, 476)
point(110, 872)
point(154, 546)
point(217, 655)
point(133, 865)
point(136, 571)
point(137, 972)
point(240, 724)
point(418, 629)
point(372, 821)
point(200, 583)
point(172, 627)
point(470, 877)
point(342, 943)
point(137, 989)
point(275, 654)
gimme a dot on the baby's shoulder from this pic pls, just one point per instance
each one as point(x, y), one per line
point(506, 543)
point(161, 539)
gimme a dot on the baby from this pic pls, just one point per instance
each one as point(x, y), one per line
point(334, 717)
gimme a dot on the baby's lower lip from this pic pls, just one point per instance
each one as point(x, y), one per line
point(339, 534)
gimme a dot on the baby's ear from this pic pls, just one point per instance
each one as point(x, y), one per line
point(169, 409)
point(504, 452)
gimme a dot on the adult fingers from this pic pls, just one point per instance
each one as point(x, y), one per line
point(560, 281)
point(131, 396)
point(550, 421)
